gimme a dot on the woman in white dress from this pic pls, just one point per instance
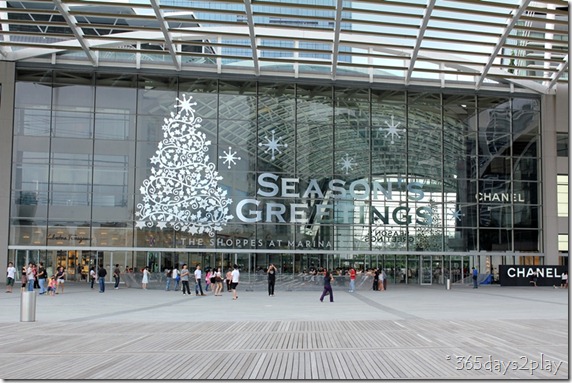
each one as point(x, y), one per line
point(145, 278)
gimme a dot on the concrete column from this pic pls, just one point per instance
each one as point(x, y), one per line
point(7, 81)
point(554, 119)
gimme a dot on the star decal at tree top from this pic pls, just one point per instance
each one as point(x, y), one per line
point(273, 145)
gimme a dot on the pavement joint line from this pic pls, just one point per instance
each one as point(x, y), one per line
point(384, 308)
point(118, 313)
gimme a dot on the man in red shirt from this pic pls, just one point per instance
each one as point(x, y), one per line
point(352, 273)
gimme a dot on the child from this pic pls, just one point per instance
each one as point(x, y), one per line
point(52, 286)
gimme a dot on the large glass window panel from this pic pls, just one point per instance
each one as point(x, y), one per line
point(563, 242)
point(495, 239)
point(237, 101)
point(74, 92)
point(121, 212)
point(238, 134)
point(527, 240)
point(525, 116)
point(110, 186)
point(526, 144)
point(495, 167)
point(525, 192)
point(494, 123)
point(149, 128)
point(496, 215)
point(562, 144)
point(562, 195)
point(154, 237)
point(29, 167)
point(28, 205)
point(314, 139)
point(115, 126)
point(26, 232)
point(526, 216)
point(32, 122)
point(33, 95)
point(526, 169)
point(352, 132)
point(115, 94)
point(112, 234)
point(69, 233)
point(62, 196)
point(72, 124)
point(204, 92)
point(156, 95)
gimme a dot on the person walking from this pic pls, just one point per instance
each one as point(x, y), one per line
point(145, 279)
point(564, 280)
point(168, 276)
point(198, 277)
point(52, 286)
point(218, 282)
point(271, 279)
point(375, 280)
point(116, 276)
point(10, 277)
point(185, 273)
point(42, 276)
point(175, 275)
point(23, 278)
point(208, 279)
point(352, 273)
point(475, 275)
point(228, 279)
point(101, 274)
point(30, 277)
point(327, 286)
point(234, 284)
point(60, 280)
point(92, 275)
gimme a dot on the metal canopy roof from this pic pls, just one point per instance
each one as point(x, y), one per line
point(475, 44)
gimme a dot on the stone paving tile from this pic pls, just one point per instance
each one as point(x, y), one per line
point(404, 333)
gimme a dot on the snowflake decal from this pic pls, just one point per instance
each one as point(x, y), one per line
point(392, 129)
point(456, 214)
point(273, 145)
point(229, 157)
point(182, 191)
point(347, 163)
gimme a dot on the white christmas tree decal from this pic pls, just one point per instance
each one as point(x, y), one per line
point(183, 190)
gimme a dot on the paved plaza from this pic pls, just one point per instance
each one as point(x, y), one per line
point(406, 332)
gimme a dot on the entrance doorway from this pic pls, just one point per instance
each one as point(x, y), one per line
point(426, 270)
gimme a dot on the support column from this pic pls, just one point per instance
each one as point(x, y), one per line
point(7, 83)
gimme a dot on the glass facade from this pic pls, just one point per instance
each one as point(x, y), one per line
point(309, 174)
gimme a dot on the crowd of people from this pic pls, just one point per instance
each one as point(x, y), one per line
point(213, 280)
point(36, 276)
